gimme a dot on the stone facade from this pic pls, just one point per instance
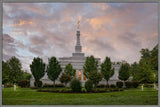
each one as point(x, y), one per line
point(77, 60)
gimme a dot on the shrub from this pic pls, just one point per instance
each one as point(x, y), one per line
point(38, 84)
point(128, 84)
point(101, 86)
point(59, 85)
point(121, 89)
point(135, 84)
point(112, 86)
point(24, 83)
point(47, 85)
point(51, 85)
point(75, 85)
point(83, 90)
point(119, 84)
point(88, 85)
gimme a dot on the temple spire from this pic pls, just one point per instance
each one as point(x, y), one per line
point(78, 45)
point(78, 24)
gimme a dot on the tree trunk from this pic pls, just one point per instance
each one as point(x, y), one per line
point(107, 86)
point(54, 84)
point(124, 84)
point(95, 85)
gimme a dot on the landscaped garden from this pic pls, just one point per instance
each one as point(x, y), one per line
point(30, 96)
point(136, 84)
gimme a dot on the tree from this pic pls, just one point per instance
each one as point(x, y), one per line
point(65, 78)
point(37, 68)
point(95, 77)
point(5, 73)
point(133, 70)
point(69, 70)
point(107, 70)
point(148, 66)
point(53, 69)
point(90, 65)
point(124, 72)
point(145, 53)
point(14, 70)
point(144, 72)
point(26, 75)
point(154, 61)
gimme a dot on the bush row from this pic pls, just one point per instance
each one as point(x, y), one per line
point(119, 84)
point(56, 85)
point(83, 90)
point(131, 84)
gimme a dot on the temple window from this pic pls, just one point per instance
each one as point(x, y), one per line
point(79, 74)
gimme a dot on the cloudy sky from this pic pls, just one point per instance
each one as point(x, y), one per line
point(117, 30)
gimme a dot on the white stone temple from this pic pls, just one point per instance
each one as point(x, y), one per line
point(78, 60)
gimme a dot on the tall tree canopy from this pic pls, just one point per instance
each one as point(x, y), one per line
point(106, 69)
point(145, 53)
point(53, 69)
point(91, 64)
point(147, 67)
point(69, 70)
point(37, 68)
point(144, 72)
point(154, 58)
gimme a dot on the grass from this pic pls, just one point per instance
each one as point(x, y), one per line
point(27, 96)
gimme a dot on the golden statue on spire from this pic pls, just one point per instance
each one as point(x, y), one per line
point(78, 24)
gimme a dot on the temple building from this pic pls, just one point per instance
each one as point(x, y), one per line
point(78, 60)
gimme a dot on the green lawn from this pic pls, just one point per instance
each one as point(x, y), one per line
point(27, 96)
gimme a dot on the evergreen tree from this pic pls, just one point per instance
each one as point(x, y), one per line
point(37, 68)
point(107, 70)
point(90, 65)
point(53, 69)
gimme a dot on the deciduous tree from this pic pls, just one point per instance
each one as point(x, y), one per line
point(144, 72)
point(37, 68)
point(107, 70)
point(124, 72)
point(90, 65)
point(65, 78)
point(69, 70)
point(15, 71)
point(53, 69)
point(95, 77)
